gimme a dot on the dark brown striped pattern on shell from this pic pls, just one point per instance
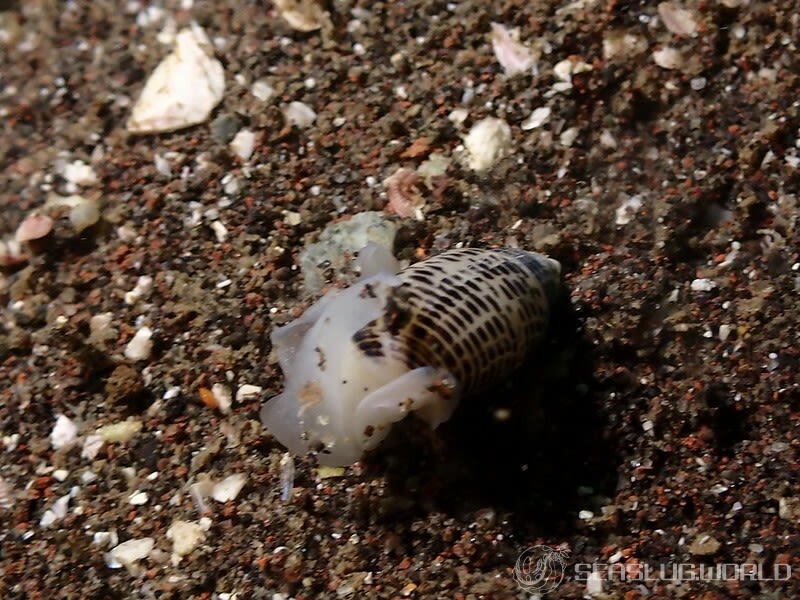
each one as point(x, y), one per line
point(477, 313)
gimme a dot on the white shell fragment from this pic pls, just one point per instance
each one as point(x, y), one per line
point(183, 89)
point(702, 285)
point(243, 144)
point(222, 395)
point(127, 554)
point(678, 20)
point(297, 113)
point(627, 210)
point(79, 173)
point(57, 512)
point(141, 345)
point(142, 289)
point(65, 433)
point(262, 90)
point(34, 227)
point(229, 488)
point(487, 142)
point(247, 391)
point(302, 15)
point(537, 118)
point(668, 58)
point(513, 56)
point(566, 68)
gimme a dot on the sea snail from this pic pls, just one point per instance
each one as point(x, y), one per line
point(393, 343)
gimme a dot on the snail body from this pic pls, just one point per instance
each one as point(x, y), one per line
point(418, 340)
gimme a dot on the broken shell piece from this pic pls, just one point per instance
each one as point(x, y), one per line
point(297, 113)
point(78, 173)
point(537, 118)
point(229, 488)
point(566, 68)
point(262, 90)
point(84, 215)
point(513, 56)
point(127, 554)
point(668, 58)
point(243, 144)
point(222, 396)
point(679, 21)
point(247, 391)
point(83, 212)
point(487, 142)
point(302, 15)
point(34, 227)
point(183, 89)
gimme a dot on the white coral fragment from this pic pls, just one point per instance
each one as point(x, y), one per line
point(487, 142)
point(185, 536)
point(182, 90)
point(513, 56)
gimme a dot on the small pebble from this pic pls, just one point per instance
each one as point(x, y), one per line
point(224, 128)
